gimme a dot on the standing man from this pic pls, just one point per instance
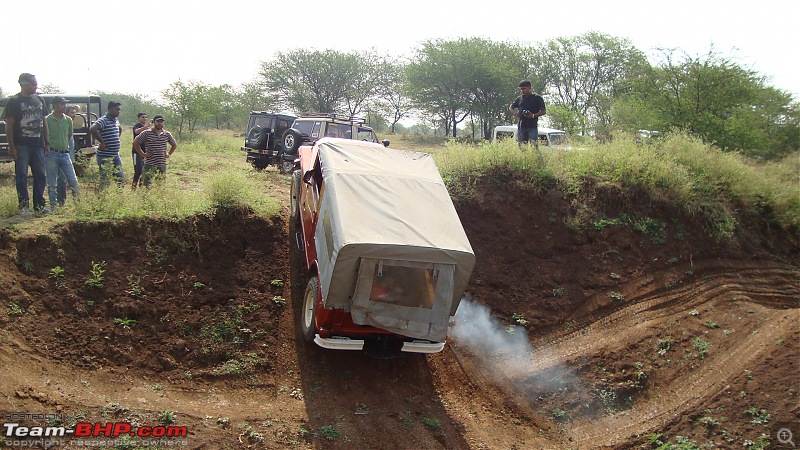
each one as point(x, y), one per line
point(28, 142)
point(62, 178)
point(138, 161)
point(528, 107)
point(59, 128)
point(107, 131)
point(155, 140)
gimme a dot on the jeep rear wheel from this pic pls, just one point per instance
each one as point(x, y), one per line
point(292, 140)
point(307, 324)
point(259, 164)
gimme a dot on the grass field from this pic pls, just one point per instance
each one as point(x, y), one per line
point(209, 171)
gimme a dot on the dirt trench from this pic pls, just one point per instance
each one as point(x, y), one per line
point(628, 337)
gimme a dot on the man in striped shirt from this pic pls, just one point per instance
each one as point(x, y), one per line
point(155, 142)
point(107, 131)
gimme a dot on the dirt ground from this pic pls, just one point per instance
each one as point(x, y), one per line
point(609, 337)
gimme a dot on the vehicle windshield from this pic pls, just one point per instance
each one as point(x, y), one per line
point(338, 130)
point(366, 134)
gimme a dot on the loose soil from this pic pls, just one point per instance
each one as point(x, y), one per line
point(635, 336)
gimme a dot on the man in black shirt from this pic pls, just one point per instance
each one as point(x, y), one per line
point(528, 107)
point(28, 142)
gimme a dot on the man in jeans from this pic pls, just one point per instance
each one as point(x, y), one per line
point(59, 128)
point(528, 107)
point(27, 142)
point(155, 141)
point(107, 131)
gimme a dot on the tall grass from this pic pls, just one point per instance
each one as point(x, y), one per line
point(698, 177)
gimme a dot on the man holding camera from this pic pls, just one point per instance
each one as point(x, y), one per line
point(528, 107)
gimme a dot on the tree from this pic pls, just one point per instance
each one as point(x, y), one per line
point(725, 104)
point(189, 102)
point(392, 97)
point(131, 105)
point(50, 88)
point(586, 73)
point(253, 96)
point(455, 79)
point(321, 81)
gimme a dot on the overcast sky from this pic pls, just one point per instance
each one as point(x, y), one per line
point(141, 47)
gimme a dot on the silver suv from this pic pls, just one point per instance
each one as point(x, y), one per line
point(308, 129)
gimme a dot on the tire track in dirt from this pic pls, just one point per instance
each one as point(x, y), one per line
point(766, 287)
point(638, 320)
point(690, 390)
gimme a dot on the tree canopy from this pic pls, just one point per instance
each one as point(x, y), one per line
point(593, 83)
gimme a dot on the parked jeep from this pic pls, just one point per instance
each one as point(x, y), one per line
point(263, 144)
point(387, 257)
point(309, 128)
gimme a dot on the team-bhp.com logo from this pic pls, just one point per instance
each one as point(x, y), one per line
point(84, 429)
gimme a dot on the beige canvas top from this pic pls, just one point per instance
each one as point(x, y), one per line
point(388, 207)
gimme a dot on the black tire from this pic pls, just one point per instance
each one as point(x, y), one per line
point(308, 315)
point(294, 207)
point(286, 167)
point(291, 141)
point(259, 164)
point(256, 137)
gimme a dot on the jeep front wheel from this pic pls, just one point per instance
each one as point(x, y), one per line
point(292, 140)
point(294, 208)
point(309, 309)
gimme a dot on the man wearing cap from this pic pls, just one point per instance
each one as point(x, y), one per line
point(155, 141)
point(59, 128)
point(107, 131)
point(27, 142)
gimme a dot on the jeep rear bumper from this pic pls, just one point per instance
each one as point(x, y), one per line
point(343, 343)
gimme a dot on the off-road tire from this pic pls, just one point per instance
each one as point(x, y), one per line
point(295, 228)
point(291, 141)
point(259, 164)
point(294, 207)
point(256, 137)
point(286, 167)
point(307, 316)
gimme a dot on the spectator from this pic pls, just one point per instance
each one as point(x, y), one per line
point(138, 161)
point(71, 112)
point(28, 142)
point(155, 140)
point(59, 127)
point(107, 131)
point(528, 107)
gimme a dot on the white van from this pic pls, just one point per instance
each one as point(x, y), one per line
point(547, 136)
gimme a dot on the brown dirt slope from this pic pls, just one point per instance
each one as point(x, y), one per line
point(632, 337)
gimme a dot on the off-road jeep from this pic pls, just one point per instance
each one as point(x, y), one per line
point(262, 143)
point(309, 128)
point(387, 257)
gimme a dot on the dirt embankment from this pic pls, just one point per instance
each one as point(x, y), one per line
point(625, 334)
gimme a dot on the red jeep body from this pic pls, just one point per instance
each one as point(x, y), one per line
point(386, 253)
